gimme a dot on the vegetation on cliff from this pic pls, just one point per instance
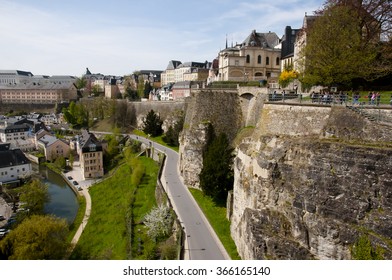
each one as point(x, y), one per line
point(217, 176)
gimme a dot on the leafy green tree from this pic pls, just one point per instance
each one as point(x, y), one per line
point(344, 43)
point(172, 135)
point(153, 124)
point(147, 89)
point(334, 53)
point(34, 196)
point(217, 175)
point(140, 87)
point(81, 83)
point(60, 162)
point(37, 238)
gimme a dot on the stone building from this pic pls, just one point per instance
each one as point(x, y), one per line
point(90, 152)
point(256, 58)
point(13, 165)
point(53, 147)
point(38, 93)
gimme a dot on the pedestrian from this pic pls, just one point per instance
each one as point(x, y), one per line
point(370, 97)
point(390, 101)
point(373, 98)
point(378, 98)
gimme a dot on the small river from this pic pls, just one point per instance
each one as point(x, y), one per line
point(63, 202)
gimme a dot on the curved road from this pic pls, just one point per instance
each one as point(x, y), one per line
point(201, 241)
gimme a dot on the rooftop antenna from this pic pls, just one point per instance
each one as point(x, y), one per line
point(226, 41)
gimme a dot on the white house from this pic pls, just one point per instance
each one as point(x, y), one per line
point(13, 164)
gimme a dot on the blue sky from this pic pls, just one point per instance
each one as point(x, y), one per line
point(118, 37)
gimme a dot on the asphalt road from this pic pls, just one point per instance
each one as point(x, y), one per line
point(201, 241)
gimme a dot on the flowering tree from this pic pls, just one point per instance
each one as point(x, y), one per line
point(286, 77)
point(158, 222)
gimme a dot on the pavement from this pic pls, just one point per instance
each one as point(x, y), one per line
point(201, 241)
point(76, 174)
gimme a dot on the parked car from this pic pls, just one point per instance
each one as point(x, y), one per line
point(75, 183)
point(2, 218)
point(69, 177)
point(3, 232)
point(80, 189)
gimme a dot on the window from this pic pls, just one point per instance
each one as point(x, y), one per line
point(259, 59)
point(277, 61)
point(267, 60)
point(248, 58)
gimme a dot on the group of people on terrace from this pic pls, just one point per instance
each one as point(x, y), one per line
point(326, 97)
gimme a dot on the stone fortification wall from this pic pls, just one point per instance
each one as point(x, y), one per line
point(220, 109)
point(309, 182)
point(165, 109)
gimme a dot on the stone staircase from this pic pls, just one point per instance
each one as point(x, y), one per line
point(375, 118)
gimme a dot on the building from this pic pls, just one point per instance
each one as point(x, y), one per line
point(257, 58)
point(90, 152)
point(19, 132)
point(287, 53)
point(48, 92)
point(181, 90)
point(53, 147)
point(185, 72)
point(168, 76)
point(300, 43)
point(13, 77)
point(14, 165)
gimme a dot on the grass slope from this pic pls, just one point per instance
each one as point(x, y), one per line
point(106, 235)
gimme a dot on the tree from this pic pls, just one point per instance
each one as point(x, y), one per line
point(81, 83)
point(217, 175)
point(153, 124)
point(344, 43)
point(172, 135)
point(34, 196)
point(286, 77)
point(37, 238)
point(158, 222)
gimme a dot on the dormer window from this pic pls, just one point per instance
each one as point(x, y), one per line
point(92, 147)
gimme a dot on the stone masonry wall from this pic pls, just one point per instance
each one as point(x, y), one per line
point(309, 182)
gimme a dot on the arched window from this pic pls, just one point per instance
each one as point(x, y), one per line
point(259, 59)
point(277, 61)
point(248, 58)
point(267, 60)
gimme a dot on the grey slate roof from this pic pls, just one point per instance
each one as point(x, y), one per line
point(264, 40)
point(48, 140)
point(173, 64)
point(87, 139)
point(39, 85)
point(12, 158)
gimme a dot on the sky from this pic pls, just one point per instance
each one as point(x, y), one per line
point(118, 37)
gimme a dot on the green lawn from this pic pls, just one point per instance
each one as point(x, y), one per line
point(117, 202)
point(217, 217)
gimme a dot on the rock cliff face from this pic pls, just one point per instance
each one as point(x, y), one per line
point(309, 180)
point(308, 188)
point(221, 110)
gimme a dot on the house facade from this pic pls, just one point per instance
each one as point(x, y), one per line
point(53, 147)
point(14, 165)
point(90, 152)
point(38, 93)
point(287, 54)
point(256, 58)
point(184, 72)
point(181, 90)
